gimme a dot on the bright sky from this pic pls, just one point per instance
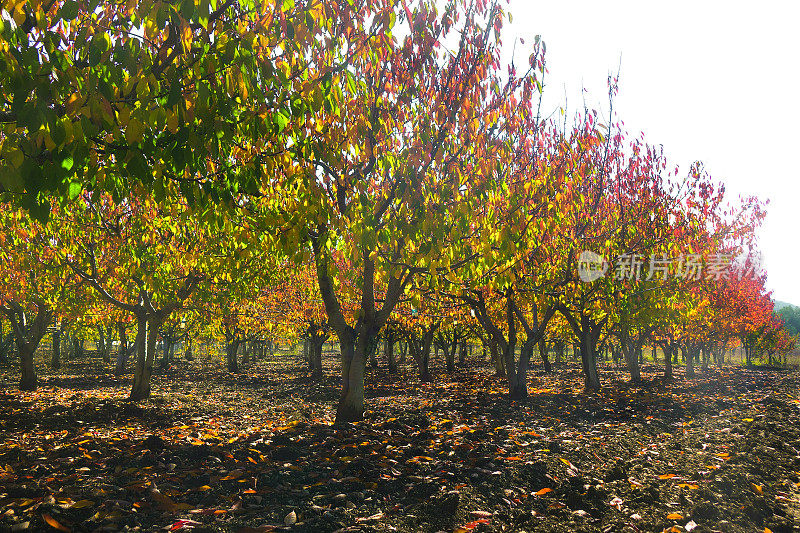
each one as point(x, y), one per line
point(712, 81)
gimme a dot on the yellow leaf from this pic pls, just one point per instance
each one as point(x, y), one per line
point(133, 132)
point(82, 503)
point(757, 488)
point(666, 476)
point(172, 122)
point(674, 516)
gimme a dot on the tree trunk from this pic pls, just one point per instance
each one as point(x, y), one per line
point(166, 348)
point(55, 363)
point(450, 357)
point(588, 356)
point(517, 376)
point(388, 350)
point(631, 352)
point(351, 401)
point(689, 354)
point(307, 353)
point(545, 356)
point(122, 353)
point(28, 381)
point(245, 353)
point(27, 336)
point(231, 349)
point(316, 357)
point(188, 353)
point(421, 351)
point(146, 337)
point(373, 358)
point(499, 366)
point(667, 361)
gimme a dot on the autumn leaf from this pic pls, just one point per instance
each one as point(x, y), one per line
point(55, 524)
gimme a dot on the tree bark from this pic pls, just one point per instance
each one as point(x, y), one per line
point(317, 342)
point(56, 359)
point(122, 353)
point(450, 357)
point(388, 350)
point(667, 348)
point(146, 337)
point(545, 356)
point(351, 401)
point(421, 351)
point(27, 336)
point(231, 350)
point(689, 354)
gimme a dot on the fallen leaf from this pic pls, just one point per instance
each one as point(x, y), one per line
point(80, 504)
point(674, 516)
point(542, 492)
point(55, 524)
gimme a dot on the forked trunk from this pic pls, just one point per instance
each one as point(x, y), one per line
point(450, 357)
point(543, 352)
point(146, 336)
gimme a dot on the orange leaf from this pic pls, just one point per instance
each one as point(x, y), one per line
point(55, 524)
point(543, 491)
point(666, 476)
point(674, 516)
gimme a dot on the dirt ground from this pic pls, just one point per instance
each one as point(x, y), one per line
point(254, 452)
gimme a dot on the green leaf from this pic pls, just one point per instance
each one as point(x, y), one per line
point(74, 190)
point(137, 167)
point(69, 10)
point(281, 120)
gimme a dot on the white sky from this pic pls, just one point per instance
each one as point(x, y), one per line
point(712, 81)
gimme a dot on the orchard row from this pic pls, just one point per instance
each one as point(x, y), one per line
point(365, 169)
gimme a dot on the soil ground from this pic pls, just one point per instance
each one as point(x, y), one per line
point(211, 451)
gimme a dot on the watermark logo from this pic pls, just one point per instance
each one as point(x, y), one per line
point(591, 266)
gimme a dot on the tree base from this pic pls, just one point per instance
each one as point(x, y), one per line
point(28, 385)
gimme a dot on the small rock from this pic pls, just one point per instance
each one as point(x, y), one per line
point(290, 518)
